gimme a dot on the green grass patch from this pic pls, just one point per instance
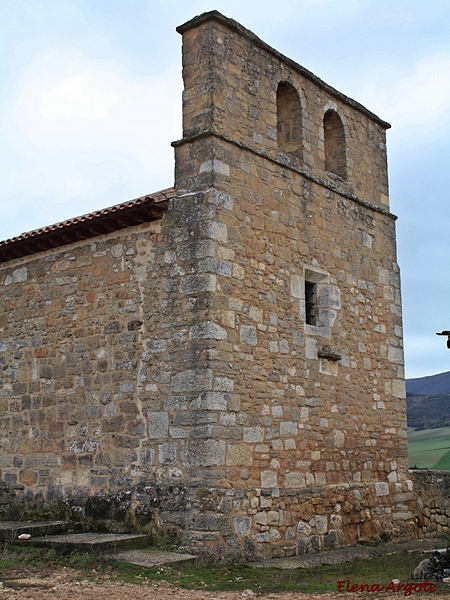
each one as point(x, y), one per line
point(444, 463)
point(35, 559)
point(429, 448)
point(16, 561)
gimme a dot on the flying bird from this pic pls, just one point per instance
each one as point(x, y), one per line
point(447, 333)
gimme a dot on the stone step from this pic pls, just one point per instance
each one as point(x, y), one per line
point(10, 530)
point(90, 542)
point(131, 548)
point(152, 557)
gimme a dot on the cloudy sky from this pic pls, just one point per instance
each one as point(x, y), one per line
point(90, 94)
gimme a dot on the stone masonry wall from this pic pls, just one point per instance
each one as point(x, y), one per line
point(318, 447)
point(79, 331)
point(433, 502)
point(164, 378)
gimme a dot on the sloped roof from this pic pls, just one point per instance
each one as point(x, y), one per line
point(141, 210)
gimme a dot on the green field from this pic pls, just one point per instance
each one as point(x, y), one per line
point(429, 448)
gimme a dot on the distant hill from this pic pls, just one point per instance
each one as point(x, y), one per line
point(428, 412)
point(428, 401)
point(433, 384)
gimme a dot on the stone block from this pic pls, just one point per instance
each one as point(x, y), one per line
point(207, 331)
point(273, 517)
point(381, 488)
point(242, 526)
point(321, 523)
point(269, 479)
point(329, 296)
point(211, 522)
point(19, 275)
point(195, 284)
point(167, 453)
point(288, 429)
point(215, 166)
point(295, 479)
point(210, 401)
point(217, 231)
point(398, 388)
point(224, 384)
point(311, 348)
point(395, 354)
point(156, 346)
point(238, 272)
point(203, 453)
point(297, 286)
point(303, 529)
point(253, 434)
point(219, 267)
point(158, 424)
point(147, 456)
point(338, 438)
point(248, 335)
point(192, 381)
point(260, 518)
point(239, 455)
point(175, 403)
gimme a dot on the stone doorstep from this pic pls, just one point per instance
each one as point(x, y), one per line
point(9, 530)
point(152, 557)
point(89, 542)
point(52, 534)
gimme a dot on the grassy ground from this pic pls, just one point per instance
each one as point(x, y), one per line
point(429, 448)
point(217, 578)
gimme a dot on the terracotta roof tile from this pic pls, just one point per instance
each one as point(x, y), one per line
point(141, 210)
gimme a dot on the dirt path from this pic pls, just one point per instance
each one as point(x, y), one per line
point(62, 585)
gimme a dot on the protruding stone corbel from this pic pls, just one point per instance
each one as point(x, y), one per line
point(327, 353)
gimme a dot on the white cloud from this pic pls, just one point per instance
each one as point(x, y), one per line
point(74, 183)
point(70, 103)
point(418, 98)
point(78, 96)
point(79, 135)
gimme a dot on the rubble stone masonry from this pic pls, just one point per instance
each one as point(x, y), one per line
point(233, 372)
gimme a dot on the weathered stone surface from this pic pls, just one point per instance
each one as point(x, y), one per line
point(381, 488)
point(158, 424)
point(176, 374)
point(192, 381)
point(203, 453)
point(208, 331)
point(242, 526)
point(248, 335)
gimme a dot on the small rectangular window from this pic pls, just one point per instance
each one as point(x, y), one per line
point(310, 302)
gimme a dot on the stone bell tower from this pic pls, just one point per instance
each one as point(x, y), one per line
point(295, 294)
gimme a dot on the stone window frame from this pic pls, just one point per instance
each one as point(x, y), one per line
point(327, 300)
point(310, 302)
point(320, 279)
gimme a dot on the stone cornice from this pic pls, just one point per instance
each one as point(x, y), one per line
point(287, 165)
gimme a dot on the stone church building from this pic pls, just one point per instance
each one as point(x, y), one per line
point(220, 361)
